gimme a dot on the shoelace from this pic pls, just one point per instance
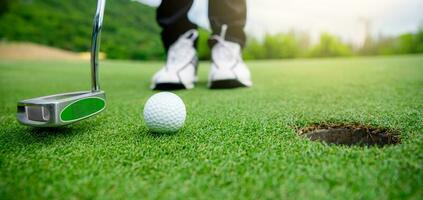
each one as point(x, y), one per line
point(225, 51)
point(181, 48)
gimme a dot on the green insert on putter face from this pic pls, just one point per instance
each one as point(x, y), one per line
point(62, 109)
point(82, 108)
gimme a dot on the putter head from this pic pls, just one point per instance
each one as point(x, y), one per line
point(60, 109)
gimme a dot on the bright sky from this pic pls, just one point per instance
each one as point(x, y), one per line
point(341, 17)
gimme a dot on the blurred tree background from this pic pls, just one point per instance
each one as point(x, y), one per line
point(130, 32)
point(297, 45)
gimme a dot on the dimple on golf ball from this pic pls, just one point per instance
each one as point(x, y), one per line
point(164, 112)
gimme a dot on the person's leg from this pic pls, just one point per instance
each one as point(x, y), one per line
point(179, 38)
point(233, 13)
point(227, 20)
point(172, 16)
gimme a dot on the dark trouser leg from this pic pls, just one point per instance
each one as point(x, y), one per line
point(172, 16)
point(232, 13)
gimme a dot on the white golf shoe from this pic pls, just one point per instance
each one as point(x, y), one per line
point(180, 71)
point(228, 70)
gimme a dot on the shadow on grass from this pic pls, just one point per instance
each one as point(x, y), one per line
point(156, 135)
point(144, 132)
point(51, 132)
point(24, 136)
point(223, 87)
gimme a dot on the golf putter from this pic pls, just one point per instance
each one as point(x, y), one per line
point(62, 109)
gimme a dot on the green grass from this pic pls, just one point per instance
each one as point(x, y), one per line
point(236, 144)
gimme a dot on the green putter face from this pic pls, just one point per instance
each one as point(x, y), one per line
point(82, 108)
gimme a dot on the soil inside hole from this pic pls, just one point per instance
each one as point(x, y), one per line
point(350, 135)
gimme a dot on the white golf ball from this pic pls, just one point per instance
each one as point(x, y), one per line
point(164, 112)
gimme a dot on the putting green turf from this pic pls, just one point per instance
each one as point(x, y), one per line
point(236, 144)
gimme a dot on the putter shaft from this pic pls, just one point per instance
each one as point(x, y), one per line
point(95, 44)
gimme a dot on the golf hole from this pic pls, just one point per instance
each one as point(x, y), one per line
point(350, 135)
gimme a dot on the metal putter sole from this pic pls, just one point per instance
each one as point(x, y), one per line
point(62, 109)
